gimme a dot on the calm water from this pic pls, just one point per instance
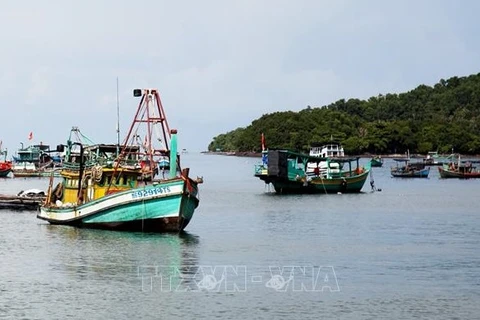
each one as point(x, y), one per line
point(411, 251)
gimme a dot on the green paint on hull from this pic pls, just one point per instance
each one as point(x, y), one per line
point(142, 210)
point(353, 185)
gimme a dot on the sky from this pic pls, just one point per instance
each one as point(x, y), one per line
point(218, 65)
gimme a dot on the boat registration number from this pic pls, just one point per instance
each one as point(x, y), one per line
point(150, 192)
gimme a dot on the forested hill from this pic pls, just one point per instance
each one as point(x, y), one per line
point(436, 118)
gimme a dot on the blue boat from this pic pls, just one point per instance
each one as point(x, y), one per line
point(407, 169)
point(103, 187)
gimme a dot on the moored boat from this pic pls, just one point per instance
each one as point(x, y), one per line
point(34, 161)
point(287, 171)
point(434, 159)
point(5, 168)
point(407, 169)
point(96, 193)
point(376, 161)
point(5, 165)
point(458, 169)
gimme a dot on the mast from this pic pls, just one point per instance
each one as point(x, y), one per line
point(149, 113)
point(118, 122)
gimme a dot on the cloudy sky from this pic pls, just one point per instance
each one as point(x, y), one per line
point(218, 65)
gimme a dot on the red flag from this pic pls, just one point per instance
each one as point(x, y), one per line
point(263, 142)
point(30, 136)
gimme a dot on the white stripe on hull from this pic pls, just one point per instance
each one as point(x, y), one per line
point(139, 195)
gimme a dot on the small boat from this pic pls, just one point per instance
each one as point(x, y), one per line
point(5, 168)
point(433, 159)
point(458, 169)
point(98, 193)
point(25, 200)
point(289, 172)
point(163, 162)
point(376, 161)
point(407, 169)
point(5, 165)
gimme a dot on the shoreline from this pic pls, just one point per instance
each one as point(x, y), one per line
point(251, 154)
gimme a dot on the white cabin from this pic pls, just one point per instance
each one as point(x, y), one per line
point(332, 150)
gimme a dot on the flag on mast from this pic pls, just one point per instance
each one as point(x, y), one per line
point(263, 142)
point(30, 135)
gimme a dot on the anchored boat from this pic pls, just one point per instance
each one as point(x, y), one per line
point(97, 192)
point(293, 172)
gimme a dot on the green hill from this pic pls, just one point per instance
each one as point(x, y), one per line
point(439, 118)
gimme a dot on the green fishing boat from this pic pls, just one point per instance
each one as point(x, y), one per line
point(294, 172)
point(376, 161)
point(105, 186)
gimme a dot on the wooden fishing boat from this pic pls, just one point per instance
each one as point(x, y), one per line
point(5, 165)
point(407, 169)
point(25, 200)
point(5, 168)
point(35, 161)
point(97, 192)
point(376, 161)
point(458, 169)
point(434, 159)
point(287, 171)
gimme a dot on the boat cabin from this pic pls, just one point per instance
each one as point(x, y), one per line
point(332, 150)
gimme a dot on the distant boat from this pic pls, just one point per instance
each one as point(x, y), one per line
point(458, 169)
point(331, 150)
point(287, 171)
point(5, 165)
point(433, 159)
point(34, 161)
point(97, 194)
point(407, 169)
point(376, 161)
point(163, 162)
point(5, 168)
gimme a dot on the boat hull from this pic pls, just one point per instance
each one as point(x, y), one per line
point(376, 163)
point(445, 173)
point(423, 173)
point(4, 173)
point(5, 168)
point(317, 185)
point(163, 207)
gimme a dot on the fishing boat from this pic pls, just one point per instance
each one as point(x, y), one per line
point(103, 186)
point(34, 161)
point(5, 165)
point(5, 168)
point(29, 199)
point(376, 161)
point(433, 159)
point(406, 169)
point(287, 171)
point(458, 169)
point(330, 150)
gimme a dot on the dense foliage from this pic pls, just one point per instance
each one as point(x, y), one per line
point(439, 118)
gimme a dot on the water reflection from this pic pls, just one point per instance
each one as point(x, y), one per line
point(148, 260)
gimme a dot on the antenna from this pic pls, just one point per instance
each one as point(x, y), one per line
point(118, 122)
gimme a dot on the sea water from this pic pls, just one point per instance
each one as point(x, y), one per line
point(409, 251)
